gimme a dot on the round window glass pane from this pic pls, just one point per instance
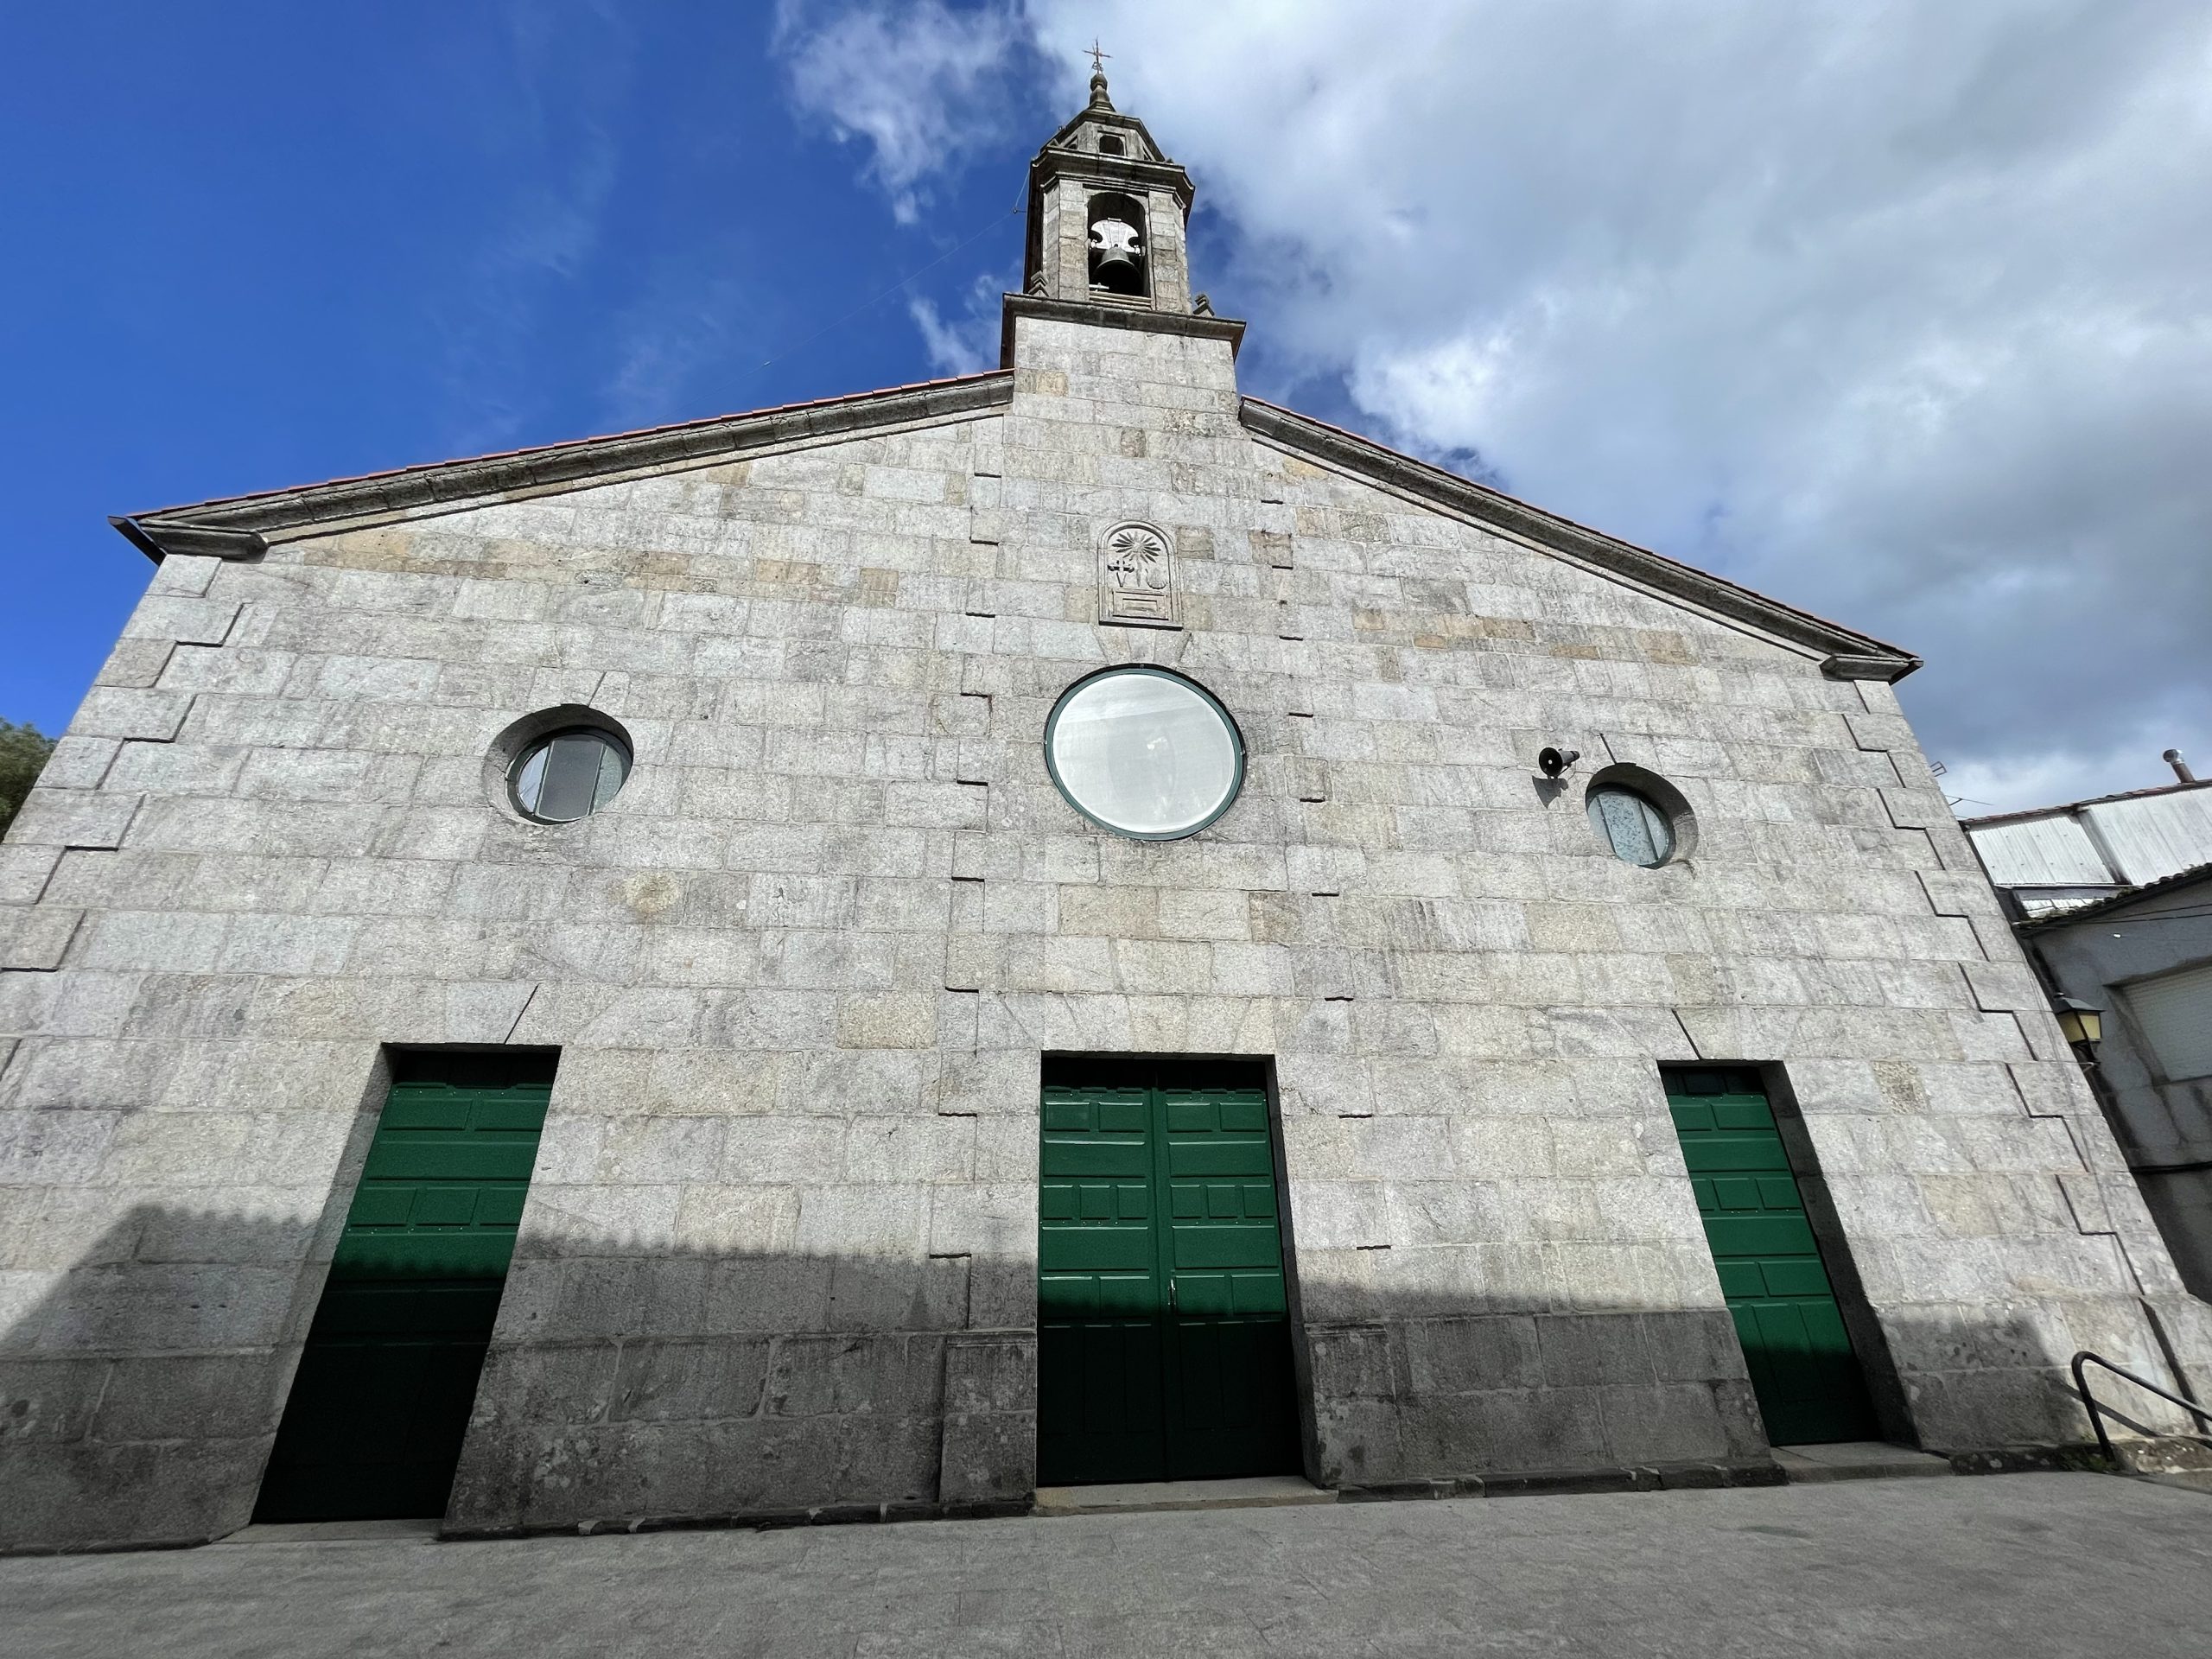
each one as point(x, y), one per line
point(1632, 827)
point(1144, 753)
point(569, 775)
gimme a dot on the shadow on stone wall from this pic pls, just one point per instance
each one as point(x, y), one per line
point(140, 1393)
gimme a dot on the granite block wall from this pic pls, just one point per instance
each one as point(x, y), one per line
point(780, 1246)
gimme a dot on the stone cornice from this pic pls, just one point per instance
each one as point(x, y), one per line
point(1845, 653)
point(1126, 171)
point(238, 527)
point(1059, 156)
point(1104, 315)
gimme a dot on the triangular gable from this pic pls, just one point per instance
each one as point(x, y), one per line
point(238, 527)
point(1845, 653)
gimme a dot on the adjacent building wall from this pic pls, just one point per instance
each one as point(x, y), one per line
point(2163, 1126)
point(780, 1244)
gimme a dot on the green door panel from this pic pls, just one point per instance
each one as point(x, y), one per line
point(1098, 1294)
point(1200, 1246)
point(1229, 1410)
point(1759, 1235)
point(1081, 1249)
point(1807, 1378)
point(1105, 1158)
point(373, 1424)
point(1163, 1346)
point(1246, 1155)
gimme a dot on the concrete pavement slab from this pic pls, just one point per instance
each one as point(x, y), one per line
point(2011, 1567)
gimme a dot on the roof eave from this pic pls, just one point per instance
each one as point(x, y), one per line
point(2165, 887)
point(238, 527)
point(1845, 653)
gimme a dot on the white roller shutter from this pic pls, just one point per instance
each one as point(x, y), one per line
point(2174, 1012)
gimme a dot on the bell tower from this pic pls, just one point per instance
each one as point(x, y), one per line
point(1107, 215)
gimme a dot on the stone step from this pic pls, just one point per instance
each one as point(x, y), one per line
point(332, 1532)
point(1856, 1460)
point(1253, 1492)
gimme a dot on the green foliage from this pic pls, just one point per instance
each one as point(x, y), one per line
point(22, 757)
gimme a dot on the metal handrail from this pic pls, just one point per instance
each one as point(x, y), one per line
point(2096, 1412)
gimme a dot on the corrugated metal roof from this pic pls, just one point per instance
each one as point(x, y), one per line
point(2128, 840)
point(2170, 885)
point(2043, 901)
point(2048, 852)
point(2069, 806)
point(2150, 838)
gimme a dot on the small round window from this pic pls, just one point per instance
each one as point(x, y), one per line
point(1632, 827)
point(568, 775)
point(1144, 753)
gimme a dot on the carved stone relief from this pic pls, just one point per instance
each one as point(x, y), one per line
point(1136, 577)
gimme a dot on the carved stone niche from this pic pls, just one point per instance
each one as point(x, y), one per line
point(1136, 577)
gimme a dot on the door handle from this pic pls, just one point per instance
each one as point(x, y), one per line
point(1171, 1292)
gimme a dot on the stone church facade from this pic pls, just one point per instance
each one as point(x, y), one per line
point(834, 954)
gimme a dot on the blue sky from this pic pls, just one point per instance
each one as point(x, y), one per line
point(1897, 309)
point(256, 245)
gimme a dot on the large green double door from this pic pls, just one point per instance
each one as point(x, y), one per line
point(374, 1424)
point(1799, 1354)
point(1164, 1336)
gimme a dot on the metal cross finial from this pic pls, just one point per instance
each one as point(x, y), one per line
point(1097, 58)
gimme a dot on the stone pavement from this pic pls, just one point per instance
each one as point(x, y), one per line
point(2016, 1566)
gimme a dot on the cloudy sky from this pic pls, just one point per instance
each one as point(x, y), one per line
point(1897, 311)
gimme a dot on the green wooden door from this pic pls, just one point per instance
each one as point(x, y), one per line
point(1164, 1336)
point(374, 1422)
point(1807, 1378)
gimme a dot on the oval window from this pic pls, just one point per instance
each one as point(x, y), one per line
point(568, 775)
point(1144, 753)
point(1632, 827)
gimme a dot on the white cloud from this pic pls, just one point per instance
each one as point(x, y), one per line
point(1897, 309)
point(966, 345)
point(917, 83)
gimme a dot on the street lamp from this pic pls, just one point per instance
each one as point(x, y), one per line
point(2082, 1026)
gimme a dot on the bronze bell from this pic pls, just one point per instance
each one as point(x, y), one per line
point(1114, 253)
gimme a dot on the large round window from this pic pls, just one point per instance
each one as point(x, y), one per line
point(568, 775)
point(1144, 753)
point(1635, 830)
